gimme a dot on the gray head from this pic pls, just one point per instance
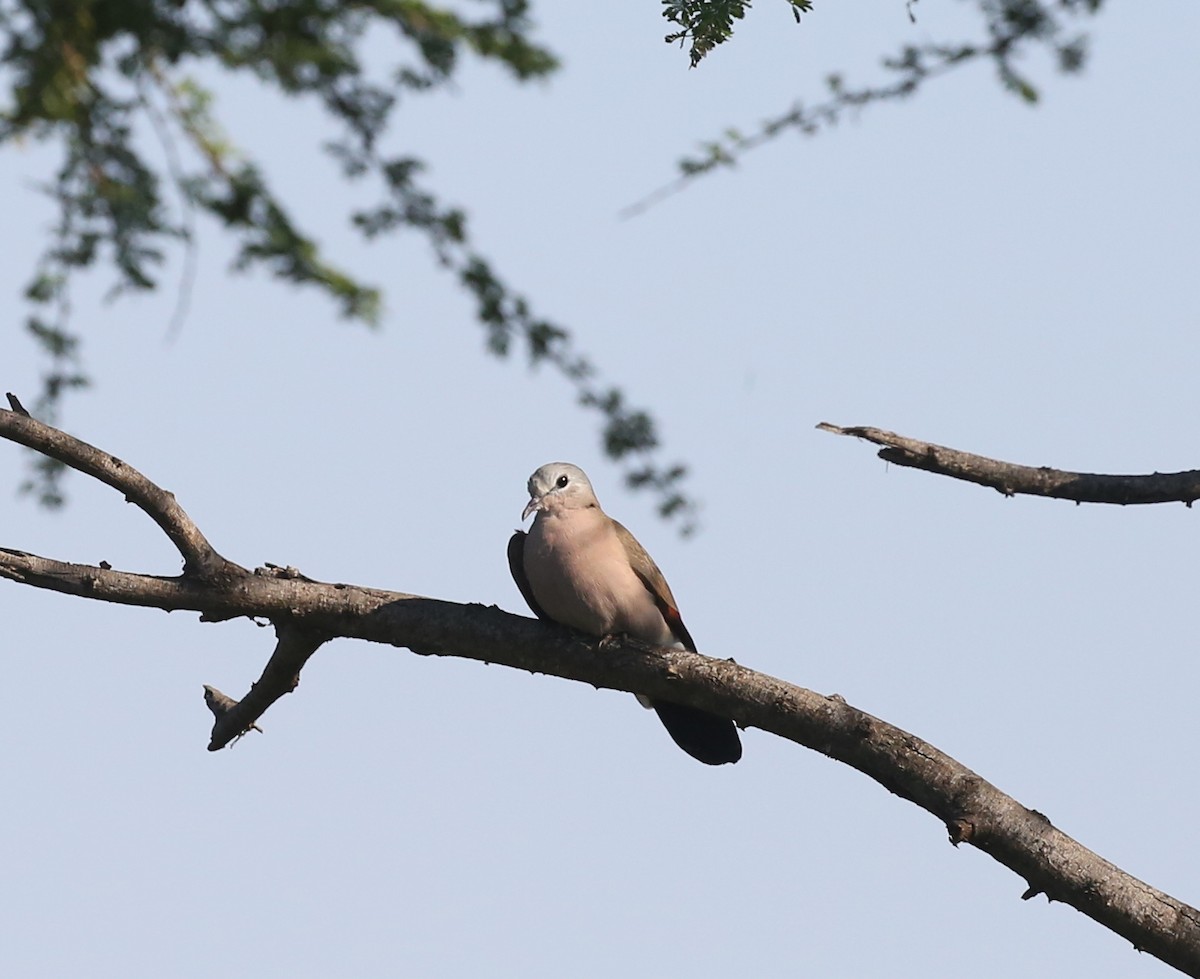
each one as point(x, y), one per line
point(559, 486)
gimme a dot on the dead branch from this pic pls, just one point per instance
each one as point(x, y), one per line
point(201, 563)
point(1011, 479)
point(221, 704)
point(199, 556)
point(281, 675)
point(16, 405)
point(307, 613)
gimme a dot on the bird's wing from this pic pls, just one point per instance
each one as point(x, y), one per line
point(516, 565)
point(644, 567)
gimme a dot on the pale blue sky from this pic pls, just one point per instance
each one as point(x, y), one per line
point(1018, 282)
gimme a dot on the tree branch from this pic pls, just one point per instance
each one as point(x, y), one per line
point(1011, 29)
point(306, 613)
point(199, 556)
point(280, 676)
point(16, 405)
point(221, 704)
point(1011, 479)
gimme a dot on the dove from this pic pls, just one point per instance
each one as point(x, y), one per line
point(579, 567)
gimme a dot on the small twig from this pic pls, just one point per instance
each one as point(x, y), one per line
point(1011, 479)
point(199, 556)
point(175, 168)
point(280, 676)
point(16, 405)
point(221, 704)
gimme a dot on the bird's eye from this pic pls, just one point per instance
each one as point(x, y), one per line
point(562, 481)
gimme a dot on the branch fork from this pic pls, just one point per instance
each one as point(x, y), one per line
point(201, 563)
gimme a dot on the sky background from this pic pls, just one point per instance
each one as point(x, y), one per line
point(1015, 281)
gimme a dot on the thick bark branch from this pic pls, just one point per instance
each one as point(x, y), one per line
point(974, 810)
point(1011, 479)
point(307, 613)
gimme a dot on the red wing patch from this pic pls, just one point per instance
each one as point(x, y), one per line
point(675, 622)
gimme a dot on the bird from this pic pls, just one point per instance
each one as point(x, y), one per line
point(579, 567)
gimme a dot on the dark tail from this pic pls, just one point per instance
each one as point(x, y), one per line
point(706, 737)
